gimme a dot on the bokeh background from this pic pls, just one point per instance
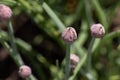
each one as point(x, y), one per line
point(38, 37)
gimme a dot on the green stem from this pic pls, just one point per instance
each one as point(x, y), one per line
point(5, 45)
point(100, 13)
point(14, 52)
point(67, 68)
point(89, 61)
point(89, 57)
point(10, 50)
point(12, 41)
point(60, 25)
point(88, 12)
point(57, 72)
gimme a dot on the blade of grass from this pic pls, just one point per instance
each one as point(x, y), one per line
point(100, 13)
point(54, 17)
point(12, 41)
point(90, 55)
point(8, 2)
point(88, 12)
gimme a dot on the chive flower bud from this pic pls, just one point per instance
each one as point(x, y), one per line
point(97, 30)
point(69, 35)
point(24, 71)
point(5, 12)
point(74, 60)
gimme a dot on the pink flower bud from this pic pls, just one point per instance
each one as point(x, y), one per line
point(74, 59)
point(69, 35)
point(97, 30)
point(5, 12)
point(24, 71)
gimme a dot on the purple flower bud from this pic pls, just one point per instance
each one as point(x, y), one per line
point(74, 59)
point(69, 35)
point(24, 71)
point(5, 12)
point(97, 30)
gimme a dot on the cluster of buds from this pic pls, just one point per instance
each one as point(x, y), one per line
point(97, 30)
point(5, 12)
point(69, 34)
point(24, 71)
point(74, 59)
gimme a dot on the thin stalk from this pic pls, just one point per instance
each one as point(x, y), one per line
point(88, 12)
point(6, 45)
point(14, 53)
point(53, 16)
point(90, 22)
point(12, 41)
point(67, 68)
point(100, 13)
point(57, 71)
point(89, 60)
point(89, 57)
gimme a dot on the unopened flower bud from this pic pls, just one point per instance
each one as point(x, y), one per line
point(5, 12)
point(69, 35)
point(24, 71)
point(74, 59)
point(97, 30)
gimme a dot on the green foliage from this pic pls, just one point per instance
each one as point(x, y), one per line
point(50, 17)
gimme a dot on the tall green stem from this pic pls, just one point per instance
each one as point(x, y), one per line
point(67, 68)
point(13, 45)
point(89, 60)
point(5, 45)
point(89, 57)
point(15, 54)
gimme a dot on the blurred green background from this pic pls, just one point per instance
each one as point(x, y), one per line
point(38, 26)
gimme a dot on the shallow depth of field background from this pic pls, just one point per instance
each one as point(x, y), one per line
point(38, 37)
